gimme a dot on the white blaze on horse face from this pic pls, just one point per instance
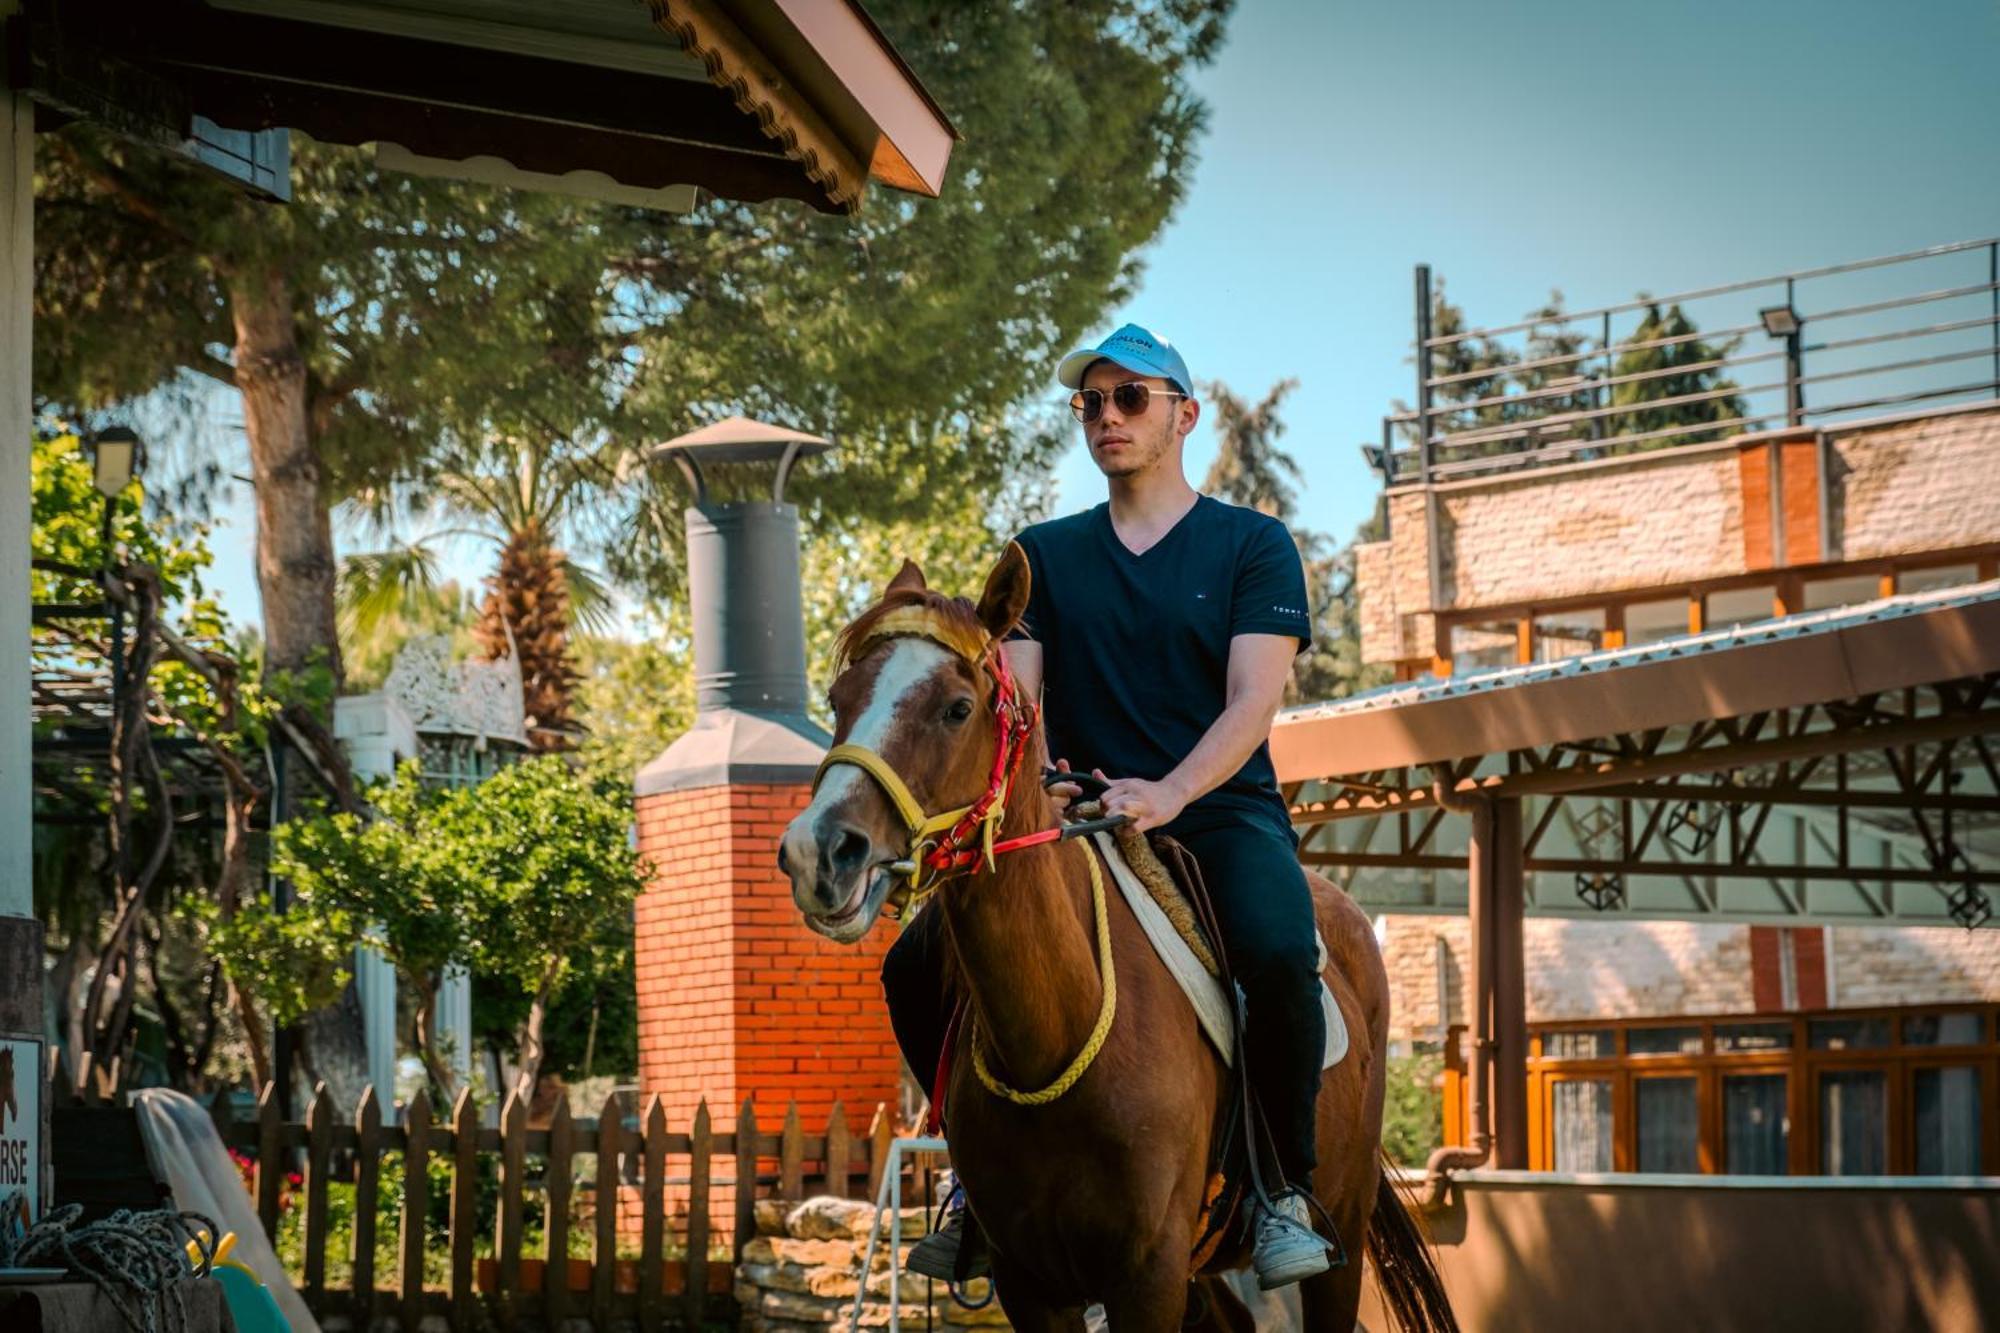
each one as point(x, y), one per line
point(911, 662)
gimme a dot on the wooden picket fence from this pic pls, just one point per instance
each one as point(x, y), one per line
point(528, 1290)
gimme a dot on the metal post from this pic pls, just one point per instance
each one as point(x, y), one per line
point(1498, 907)
point(284, 1040)
point(1424, 457)
point(1993, 291)
point(889, 1205)
point(117, 611)
point(1795, 398)
point(1601, 426)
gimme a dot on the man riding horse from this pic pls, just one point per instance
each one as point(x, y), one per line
point(1159, 631)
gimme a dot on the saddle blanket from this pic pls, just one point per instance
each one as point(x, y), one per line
point(1204, 991)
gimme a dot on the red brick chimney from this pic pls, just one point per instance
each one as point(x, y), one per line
point(736, 997)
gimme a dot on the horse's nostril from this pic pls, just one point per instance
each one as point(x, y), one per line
point(783, 864)
point(849, 851)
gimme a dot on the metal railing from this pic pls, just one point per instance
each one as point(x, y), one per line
point(1514, 408)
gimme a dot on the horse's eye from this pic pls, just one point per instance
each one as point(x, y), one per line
point(960, 710)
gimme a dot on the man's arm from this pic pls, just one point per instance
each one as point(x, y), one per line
point(1024, 659)
point(1258, 667)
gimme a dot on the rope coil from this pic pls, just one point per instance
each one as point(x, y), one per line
point(1108, 1011)
point(138, 1260)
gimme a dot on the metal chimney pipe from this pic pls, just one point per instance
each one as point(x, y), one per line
point(749, 619)
point(743, 572)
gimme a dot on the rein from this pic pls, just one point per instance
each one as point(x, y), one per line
point(955, 842)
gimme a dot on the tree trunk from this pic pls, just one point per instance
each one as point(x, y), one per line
point(444, 1087)
point(295, 567)
point(295, 560)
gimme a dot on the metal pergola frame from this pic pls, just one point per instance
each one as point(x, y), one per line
point(1661, 782)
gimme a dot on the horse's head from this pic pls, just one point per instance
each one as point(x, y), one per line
point(914, 689)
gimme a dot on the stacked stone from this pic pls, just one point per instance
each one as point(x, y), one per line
point(801, 1272)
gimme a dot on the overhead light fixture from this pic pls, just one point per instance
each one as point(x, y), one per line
point(1601, 890)
point(1780, 321)
point(1373, 455)
point(1691, 826)
point(116, 453)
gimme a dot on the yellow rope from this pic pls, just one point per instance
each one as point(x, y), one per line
point(1067, 1079)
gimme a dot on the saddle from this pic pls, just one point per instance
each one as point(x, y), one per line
point(1163, 885)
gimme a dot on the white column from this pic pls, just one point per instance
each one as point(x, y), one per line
point(375, 982)
point(17, 287)
point(454, 1023)
point(376, 734)
point(20, 936)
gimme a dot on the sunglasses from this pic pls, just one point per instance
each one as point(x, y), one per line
point(1132, 399)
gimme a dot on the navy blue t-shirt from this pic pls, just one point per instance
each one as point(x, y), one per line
point(1135, 648)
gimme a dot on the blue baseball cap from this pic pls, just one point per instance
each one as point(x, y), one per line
point(1139, 350)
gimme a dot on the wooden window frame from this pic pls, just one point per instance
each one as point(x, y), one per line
point(1800, 1065)
point(1789, 596)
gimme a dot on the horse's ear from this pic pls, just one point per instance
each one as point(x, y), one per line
point(1006, 595)
point(908, 578)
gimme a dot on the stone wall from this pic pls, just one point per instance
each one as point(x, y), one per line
point(1672, 518)
point(1626, 969)
point(1597, 527)
point(1909, 486)
point(801, 1272)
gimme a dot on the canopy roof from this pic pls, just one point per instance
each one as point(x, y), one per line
point(1653, 772)
point(641, 103)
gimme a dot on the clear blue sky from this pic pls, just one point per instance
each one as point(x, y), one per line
point(1599, 148)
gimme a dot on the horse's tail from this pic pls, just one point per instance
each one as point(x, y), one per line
point(1404, 1266)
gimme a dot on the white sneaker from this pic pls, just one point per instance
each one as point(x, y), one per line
point(1288, 1249)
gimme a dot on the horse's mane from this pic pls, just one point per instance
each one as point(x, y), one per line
point(958, 614)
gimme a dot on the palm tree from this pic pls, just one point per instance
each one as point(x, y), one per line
point(521, 493)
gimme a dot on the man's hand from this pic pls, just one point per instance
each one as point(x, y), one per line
point(1062, 793)
point(1148, 804)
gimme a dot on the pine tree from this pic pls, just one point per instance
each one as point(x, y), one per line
point(1250, 469)
point(1686, 366)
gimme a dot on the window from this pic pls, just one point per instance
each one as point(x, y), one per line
point(1663, 1041)
point(1943, 1030)
point(1668, 1120)
point(1946, 1115)
point(1849, 591)
point(1560, 634)
point(1755, 1126)
point(1740, 606)
point(1592, 1044)
point(1487, 644)
point(1847, 1034)
point(1582, 1122)
point(1735, 1038)
point(1938, 576)
point(1853, 1122)
point(1650, 622)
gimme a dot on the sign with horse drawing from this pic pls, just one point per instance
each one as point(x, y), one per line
point(20, 1126)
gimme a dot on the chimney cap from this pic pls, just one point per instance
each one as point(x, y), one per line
point(741, 440)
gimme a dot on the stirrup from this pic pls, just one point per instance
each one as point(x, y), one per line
point(1287, 1248)
point(937, 1256)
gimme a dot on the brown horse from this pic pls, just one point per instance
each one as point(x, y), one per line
point(1096, 1195)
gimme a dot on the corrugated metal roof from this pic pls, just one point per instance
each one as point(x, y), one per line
point(1432, 688)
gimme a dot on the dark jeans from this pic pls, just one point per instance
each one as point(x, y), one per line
point(1265, 911)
